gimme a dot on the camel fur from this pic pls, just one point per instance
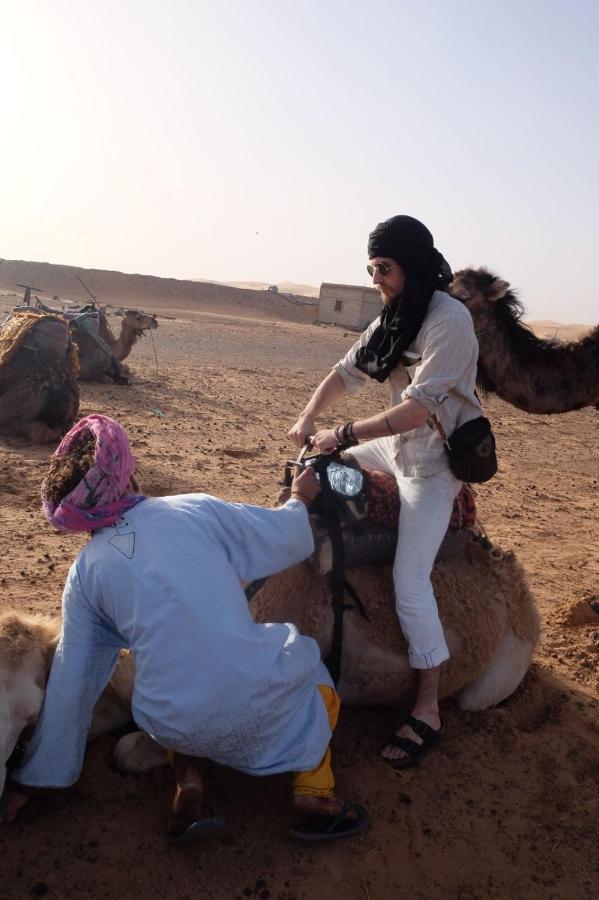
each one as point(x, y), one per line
point(39, 397)
point(27, 645)
point(536, 375)
point(489, 616)
point(485, 605)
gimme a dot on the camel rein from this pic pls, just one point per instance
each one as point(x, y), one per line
point(155, 354)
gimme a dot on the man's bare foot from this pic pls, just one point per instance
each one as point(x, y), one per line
point(189, 793)
point(13, 803)
point(429, 717)
point(187, 806)
point(322, 806)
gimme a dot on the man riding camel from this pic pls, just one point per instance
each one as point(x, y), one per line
point(426, 335)
point(162, 577)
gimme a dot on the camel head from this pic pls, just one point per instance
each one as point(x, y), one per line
point(138, 321)
point(27, 646)
point(485, 295)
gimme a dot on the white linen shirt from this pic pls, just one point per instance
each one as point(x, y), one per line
point(443, 379)
point(209, 681)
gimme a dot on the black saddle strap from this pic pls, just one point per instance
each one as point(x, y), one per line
point(354, 595)
point(332, 519)
point(253, 588)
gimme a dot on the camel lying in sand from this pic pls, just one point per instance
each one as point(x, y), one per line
point(39, 397)
point(101, 355)
point(490, 619)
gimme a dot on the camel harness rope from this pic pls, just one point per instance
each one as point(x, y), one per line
point(331, 508)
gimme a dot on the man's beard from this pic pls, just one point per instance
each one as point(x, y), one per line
point(389, 298)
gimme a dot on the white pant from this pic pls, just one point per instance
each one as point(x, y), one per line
point(425, 510)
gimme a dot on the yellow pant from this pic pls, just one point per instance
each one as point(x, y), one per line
point(320, 782)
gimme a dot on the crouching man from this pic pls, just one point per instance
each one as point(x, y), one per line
point(161, 576)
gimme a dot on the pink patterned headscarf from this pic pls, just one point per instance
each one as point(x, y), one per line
point(97, 501)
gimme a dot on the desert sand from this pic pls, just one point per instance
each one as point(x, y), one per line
point(507, 807)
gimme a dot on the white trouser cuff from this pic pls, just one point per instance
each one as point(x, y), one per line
point(429, 660)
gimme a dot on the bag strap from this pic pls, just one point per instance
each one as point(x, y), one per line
point(436, 424)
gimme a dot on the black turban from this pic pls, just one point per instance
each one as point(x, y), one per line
point(410, 243)
point(404, 239)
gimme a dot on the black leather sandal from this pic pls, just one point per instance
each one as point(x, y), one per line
point(430, 737)
point(330, 828)
point(210, 826)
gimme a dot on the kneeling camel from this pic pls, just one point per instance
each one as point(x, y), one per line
point(489, 615)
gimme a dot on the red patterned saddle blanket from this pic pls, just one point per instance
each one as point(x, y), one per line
point(382, 502)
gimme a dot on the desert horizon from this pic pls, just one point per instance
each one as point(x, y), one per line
point(156, 293)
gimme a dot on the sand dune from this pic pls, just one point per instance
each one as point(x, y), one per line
point(288, 287)
point(155, 294)
point(545, 328)
point(149, 291)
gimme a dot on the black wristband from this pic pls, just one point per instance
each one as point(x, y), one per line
point(349, 438)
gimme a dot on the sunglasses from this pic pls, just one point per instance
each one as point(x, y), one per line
point(382, 268)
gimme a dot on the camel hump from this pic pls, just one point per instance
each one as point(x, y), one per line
point(46, 336)
point(50, 339)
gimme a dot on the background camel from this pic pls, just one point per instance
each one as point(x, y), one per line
point(101, 354)
point(39, 397)
point(490, 619)
point(538, 376)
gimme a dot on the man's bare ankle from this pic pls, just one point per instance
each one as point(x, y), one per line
point(316, 804)
point(428, 715)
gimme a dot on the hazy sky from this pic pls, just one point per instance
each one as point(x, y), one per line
point(263, 139)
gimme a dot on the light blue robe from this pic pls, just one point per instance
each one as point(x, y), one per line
point(210, 682)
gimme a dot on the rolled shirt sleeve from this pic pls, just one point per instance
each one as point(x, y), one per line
point(450, 351)
point(353, 378)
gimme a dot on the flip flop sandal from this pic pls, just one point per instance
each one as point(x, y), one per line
point(210, 826)
point(329, 828)
point(430, 737)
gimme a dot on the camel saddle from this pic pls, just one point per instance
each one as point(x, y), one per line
point(369, 532)
point(354, 520)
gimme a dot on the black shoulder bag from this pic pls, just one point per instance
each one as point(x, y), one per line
point(471, 450)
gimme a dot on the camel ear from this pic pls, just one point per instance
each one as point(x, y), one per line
point(498, 289)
